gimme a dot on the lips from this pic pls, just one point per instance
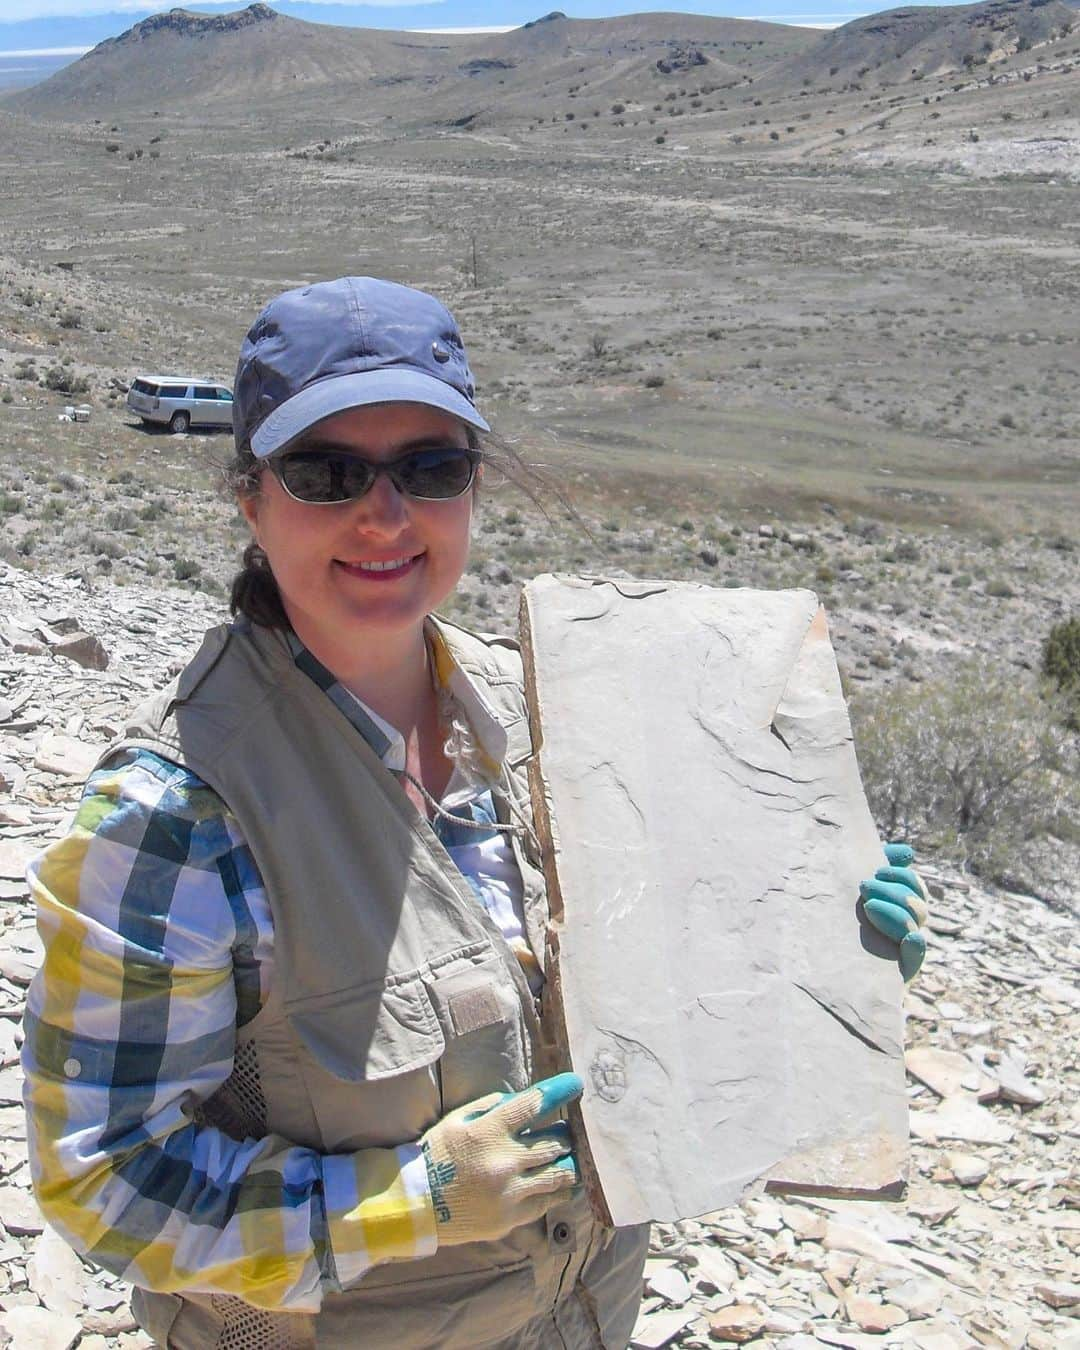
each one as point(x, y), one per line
point(381, 569)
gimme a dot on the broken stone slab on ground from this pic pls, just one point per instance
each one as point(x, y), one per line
point(705, 831)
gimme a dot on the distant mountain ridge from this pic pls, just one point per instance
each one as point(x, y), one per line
point(259, 58)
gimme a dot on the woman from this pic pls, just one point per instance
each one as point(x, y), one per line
point(279, 1055)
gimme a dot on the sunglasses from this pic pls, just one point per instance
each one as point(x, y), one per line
point(325, 477)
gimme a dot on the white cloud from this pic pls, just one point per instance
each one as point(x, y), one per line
point(505, 28)
point(40, 51)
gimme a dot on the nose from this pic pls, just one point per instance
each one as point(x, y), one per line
point(382, 509)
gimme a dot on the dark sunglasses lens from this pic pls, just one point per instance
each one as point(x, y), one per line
point(443, 472)
point(321, 476)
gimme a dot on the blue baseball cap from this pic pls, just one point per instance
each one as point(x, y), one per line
point(321, 349)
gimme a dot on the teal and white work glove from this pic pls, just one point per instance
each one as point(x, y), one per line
point(493, 1165)
point(896, 903)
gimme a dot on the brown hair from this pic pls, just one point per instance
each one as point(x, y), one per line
point(254, 591)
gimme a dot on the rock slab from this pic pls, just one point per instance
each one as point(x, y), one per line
point(704, 832)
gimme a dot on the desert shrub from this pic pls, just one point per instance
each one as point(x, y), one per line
point(1061, 666)
point(7, 396)
point(25, 370)
point(112, 147)
point(1000, 590)
point(69, 318)
point(186, 569)
point(976, 763)
point(905, 550)
point(120, 518)
point(65, 381)
point(653, 381)
point(104, 546)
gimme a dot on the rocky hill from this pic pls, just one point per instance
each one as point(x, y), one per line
point(257, 57)
point(252, 57)
point(914, 81)
point(925, 42)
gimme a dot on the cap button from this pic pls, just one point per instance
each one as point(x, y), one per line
point(440, 354)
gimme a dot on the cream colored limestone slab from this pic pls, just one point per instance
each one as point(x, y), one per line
point(704, 832)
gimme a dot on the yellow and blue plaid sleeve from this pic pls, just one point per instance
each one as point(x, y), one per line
point(158, 942)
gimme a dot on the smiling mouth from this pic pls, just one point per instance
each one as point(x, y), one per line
point(391, 567)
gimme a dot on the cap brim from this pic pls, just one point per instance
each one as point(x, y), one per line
point(358, 390)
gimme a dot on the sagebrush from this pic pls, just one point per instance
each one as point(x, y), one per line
point(976, 763)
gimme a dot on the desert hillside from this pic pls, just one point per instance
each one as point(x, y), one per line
point(257, 57)
point(634, 80)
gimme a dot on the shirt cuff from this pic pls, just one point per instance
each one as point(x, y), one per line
point(378, 1208)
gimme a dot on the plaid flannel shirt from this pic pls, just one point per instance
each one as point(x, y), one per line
point(159, 944)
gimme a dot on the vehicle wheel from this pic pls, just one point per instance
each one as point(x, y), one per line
point(180, 421)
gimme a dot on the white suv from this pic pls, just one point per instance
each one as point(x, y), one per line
point(179, 402)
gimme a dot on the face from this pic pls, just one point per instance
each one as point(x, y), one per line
point(321, 556)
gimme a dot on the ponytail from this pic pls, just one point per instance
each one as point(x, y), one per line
point(255, 591)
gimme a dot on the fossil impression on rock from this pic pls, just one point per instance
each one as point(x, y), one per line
point(704, 832)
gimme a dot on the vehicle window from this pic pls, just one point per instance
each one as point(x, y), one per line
point(144, 387)
point(174, 391)
point(202, 391)
point(224, 395)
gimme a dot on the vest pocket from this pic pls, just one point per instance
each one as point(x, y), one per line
point(368, 1059)
point(449, 1311)
point(479, 1008)
point(362, 1035)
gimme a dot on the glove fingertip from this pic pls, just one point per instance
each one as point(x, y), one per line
point(892, 920)
point(899, 855)
point(912, 952)
point(559, 1091)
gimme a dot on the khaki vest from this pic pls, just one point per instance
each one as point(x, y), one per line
point(394, 999)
